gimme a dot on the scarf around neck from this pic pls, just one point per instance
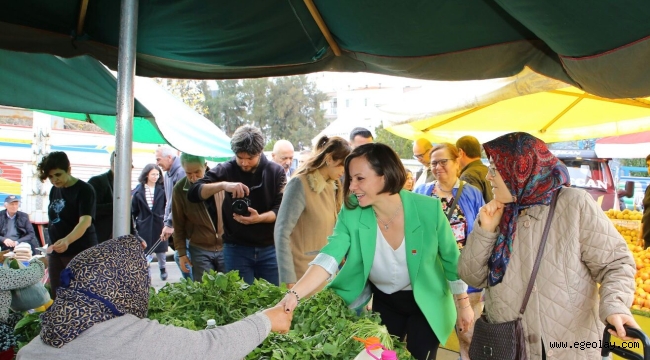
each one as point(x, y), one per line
point(532, 174)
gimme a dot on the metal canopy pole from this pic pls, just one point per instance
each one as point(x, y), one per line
point(124, 123)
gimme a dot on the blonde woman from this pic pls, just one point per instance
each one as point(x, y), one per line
point(311, 202)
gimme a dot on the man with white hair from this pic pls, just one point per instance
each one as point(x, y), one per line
point(168, 161)
point(283, 155)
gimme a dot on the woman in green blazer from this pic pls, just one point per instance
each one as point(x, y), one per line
point(399, 248)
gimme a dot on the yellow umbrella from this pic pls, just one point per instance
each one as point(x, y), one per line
point(556, 115)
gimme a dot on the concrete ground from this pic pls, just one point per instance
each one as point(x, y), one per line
point(174, 275)
point(173, 272)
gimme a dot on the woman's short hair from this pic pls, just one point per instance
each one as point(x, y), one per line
point(142, 179)
point(451, 149)
point(51, 161)
point(384, 162)
point(336, 147)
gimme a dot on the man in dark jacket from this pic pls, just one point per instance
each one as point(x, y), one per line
point(253, 186)
point(103, 185)
point(15, 227)
point(473, 171)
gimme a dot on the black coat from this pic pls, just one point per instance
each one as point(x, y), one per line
point(24, 227)
point(103, 185)
point(149, 222)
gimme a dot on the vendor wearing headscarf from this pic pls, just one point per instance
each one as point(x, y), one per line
point(582, 250)
point(101, 309)
point(13, 279)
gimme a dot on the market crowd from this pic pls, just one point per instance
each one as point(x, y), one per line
point(430, 251)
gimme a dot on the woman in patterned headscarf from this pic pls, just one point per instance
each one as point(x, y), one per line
point(102, 307)
point(582, 250)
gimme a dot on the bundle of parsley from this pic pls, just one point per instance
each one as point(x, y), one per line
point(323, 327)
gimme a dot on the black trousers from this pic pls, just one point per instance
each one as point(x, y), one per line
point(56, 264)
point(403, 318)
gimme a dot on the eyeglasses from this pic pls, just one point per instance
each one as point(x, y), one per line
point(418, 156)
point(442, 162)
point(492, 170)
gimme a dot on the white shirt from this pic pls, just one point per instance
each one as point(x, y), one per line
point(423, 178)
point(389, 272)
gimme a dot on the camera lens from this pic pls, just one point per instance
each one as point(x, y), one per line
point(240, 206)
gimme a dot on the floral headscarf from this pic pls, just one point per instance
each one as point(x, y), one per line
point(101, 283)
point(532, 174)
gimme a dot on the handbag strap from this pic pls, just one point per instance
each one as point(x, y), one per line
point(538, 259)
point(450, 211)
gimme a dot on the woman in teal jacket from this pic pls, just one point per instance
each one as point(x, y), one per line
point(398, 247)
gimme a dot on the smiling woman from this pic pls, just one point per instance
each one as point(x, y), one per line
point(398, 247)
point(585, 262)
point(71, 212)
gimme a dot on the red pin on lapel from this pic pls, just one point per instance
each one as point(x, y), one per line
point(414, 252)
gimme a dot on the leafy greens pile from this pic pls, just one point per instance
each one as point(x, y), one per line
point(323, 327)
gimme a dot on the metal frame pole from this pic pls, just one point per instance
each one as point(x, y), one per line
point(124, 123)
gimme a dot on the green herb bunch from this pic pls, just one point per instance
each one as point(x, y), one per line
point(323, 326)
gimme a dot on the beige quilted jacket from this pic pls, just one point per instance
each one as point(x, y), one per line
point(583, 249)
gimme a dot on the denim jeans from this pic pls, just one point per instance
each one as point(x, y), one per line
point(252, 262)
point(205, 260)
point(176, 259)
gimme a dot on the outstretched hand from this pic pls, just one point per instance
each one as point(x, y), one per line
point(280, 319)
point(289, 302)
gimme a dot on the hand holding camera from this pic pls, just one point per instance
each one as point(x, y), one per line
point(253, 216)
point(238, 190)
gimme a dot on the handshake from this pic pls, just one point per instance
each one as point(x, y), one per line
point(280, 319)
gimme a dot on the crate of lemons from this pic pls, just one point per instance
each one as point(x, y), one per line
point(628, 224)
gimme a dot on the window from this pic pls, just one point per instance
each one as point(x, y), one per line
point(347, 102)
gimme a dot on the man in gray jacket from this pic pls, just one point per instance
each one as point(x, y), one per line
point(166, 158)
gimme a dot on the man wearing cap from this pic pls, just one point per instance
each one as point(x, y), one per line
point(15, 227)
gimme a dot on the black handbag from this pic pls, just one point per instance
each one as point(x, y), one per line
point(506, 341)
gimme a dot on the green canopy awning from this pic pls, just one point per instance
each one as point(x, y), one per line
point(81, 88)
point(600, 47)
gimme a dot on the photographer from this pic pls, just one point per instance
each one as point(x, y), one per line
point(253, 186)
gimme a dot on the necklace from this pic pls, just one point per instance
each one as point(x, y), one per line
point(442, 190)
point(389, 221)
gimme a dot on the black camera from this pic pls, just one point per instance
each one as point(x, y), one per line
point(240, 206)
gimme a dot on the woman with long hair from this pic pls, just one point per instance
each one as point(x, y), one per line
point(310, 204)
point(148, 210)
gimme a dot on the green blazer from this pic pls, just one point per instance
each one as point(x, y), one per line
point(432, 257)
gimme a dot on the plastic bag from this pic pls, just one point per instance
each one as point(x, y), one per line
point(29, 297)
